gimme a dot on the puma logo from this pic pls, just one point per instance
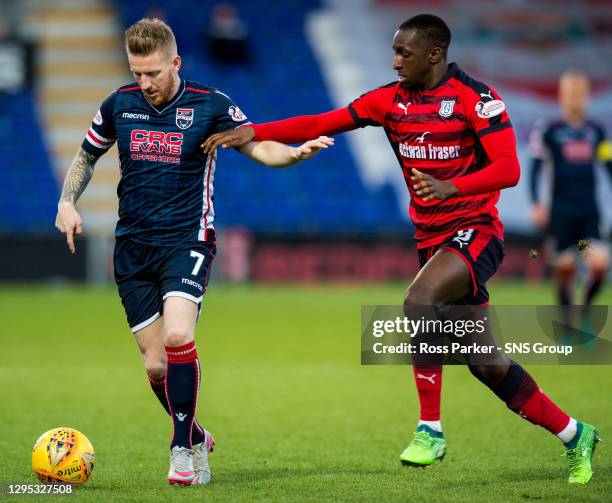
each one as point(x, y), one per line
point(463, 237)
point(421, 138)
point(487, 95)
point(430, 378)
point(180, 416)
point(404, 107)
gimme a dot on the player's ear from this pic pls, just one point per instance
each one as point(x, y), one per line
point(435, 55)
point(176, 63)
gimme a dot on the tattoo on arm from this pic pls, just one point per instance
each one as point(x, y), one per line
point(78, 175)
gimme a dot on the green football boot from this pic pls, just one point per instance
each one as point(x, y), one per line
point(426, 447)
point(579, 455)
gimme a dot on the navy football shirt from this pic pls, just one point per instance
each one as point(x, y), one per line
point(572, 155)
point(166, 187)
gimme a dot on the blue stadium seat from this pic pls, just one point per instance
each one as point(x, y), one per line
point(28, 189)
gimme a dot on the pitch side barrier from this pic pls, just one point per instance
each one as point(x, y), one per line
point(478, 335)
point(365, 258)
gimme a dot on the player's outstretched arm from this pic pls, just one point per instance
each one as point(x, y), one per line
point(278, 155)
point(293, 130)
point(234, 138)
point(68, 220)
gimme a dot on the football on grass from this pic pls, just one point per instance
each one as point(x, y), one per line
point(63, 455)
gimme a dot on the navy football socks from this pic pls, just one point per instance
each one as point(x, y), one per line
point(159, 388)
point(182, 383)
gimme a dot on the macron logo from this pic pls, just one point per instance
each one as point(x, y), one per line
point(181, 417)
point(142, 117)
point(190, 282)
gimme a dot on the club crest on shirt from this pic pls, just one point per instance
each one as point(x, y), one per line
point(446, 108)
point(184, 117)
point(97, 120)
point(236, 114)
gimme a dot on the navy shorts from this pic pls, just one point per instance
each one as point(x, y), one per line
point(565, 232)
point(481, 250)
point(147, 275)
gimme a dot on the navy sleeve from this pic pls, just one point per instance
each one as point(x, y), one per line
point(102, 135)
point(226, 114)
point(537, 141)
point(534, 178)
point(601, 134)
point(538, 150)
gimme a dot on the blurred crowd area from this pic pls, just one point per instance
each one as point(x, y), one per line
point(277, 59)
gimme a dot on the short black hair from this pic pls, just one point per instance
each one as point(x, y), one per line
point(432, 28)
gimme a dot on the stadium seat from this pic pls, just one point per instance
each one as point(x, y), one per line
point(28, 189)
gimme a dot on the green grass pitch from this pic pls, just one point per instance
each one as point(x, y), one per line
point(295, 415)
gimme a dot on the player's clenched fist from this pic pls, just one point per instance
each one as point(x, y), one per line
point(228, 139)
point(430, 188)
point(68, 221)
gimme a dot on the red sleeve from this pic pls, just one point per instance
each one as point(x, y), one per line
point(369, 108)
point(504, 170)
point(485, 111)
point(306, 127)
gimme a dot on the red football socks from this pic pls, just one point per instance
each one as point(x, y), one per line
point(428, 380)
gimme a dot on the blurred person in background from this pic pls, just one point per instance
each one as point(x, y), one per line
point(571, 147)
point(227, 36)
point(165, 237)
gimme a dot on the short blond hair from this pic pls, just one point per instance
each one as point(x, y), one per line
point(573, 73)
point(149, 35)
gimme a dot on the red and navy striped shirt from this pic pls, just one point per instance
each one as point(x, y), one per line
point(438, 132)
